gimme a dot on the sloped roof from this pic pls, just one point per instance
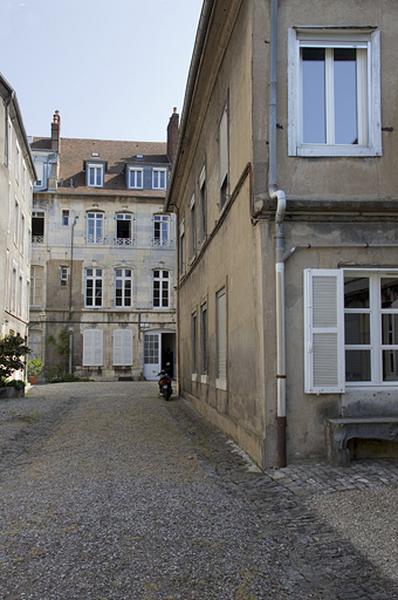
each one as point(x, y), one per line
point(75, 152)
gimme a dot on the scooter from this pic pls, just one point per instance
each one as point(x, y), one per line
point(165, 384)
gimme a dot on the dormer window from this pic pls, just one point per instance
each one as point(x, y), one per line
point(159, 179)
point(95, 175)
point(135, 178)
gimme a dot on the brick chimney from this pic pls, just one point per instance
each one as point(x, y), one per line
point(172, 135)
point(56, 132)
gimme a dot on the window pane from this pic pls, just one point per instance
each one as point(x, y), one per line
point(357, 365)
point(356, 292)
point(389, 293)
point(314, 118)
point(389, 326)
point(390, 365)
point(345, 96)
point(357, 329)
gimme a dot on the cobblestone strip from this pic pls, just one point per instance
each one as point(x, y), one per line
point(315, 560)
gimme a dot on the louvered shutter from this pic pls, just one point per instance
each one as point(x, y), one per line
point(93, 348)
point(223, 146)
point(324, 331)
point(122, 347)
point(222, 336)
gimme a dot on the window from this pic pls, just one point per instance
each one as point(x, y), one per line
point(334, 93)
point(17, 163)
point(16, 222)
point(203, 339)
point(221, 331)
point(37, 285)
point(194, 319)
point(161, 230)
point(9, 144)
point(65, 217)
point(193, 226)
point(223, 156)
point(203, 205)
point(93, 288)
point(19, 296)
point(93, 343)
point(159, 179)
point(123, 287)
point(14, 291)
point(95, 175)
point(37, 227)
point(181, 249)
point(22, 235)
point(161, 289)
point(122, 348)
point(40, 172)
point(63, 276)
point(124, 235)
point(135, 178)
point(95, 228)
point(351, 329)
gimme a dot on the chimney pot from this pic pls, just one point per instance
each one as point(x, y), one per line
point(172, 135)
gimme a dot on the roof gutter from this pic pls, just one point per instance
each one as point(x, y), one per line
point(205, 16)
point(16, 115)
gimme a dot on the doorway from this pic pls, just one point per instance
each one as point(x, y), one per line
point(159, 349)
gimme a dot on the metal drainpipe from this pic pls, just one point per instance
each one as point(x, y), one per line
point(70, 360)
point(280, 197)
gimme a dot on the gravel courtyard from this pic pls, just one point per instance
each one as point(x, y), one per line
point(108, 492)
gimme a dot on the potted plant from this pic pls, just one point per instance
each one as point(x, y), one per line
point(35, 368)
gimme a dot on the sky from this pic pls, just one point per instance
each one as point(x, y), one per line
point(113, 68)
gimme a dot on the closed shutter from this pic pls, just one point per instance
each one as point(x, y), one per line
point(223, 145)
point(324, 331)
point(222, 336)
point(122, 348)
point(93, 348)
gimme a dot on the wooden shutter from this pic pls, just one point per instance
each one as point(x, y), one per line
point(324, 331)
point(223, 145)
point(93, 348)
point(122, 348)
point(222, 336)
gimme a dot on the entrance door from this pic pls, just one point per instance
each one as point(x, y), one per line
point(151, 356)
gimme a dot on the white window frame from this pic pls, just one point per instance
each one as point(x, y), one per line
point(125, 216)
point(63, 275)
point(95, 169)
point(98, 236)
point(122, 348)
point(132, 178)
point(124, 279)
point(181, 249)
point(194, 344)
point(65, 215)
point(161, 240)
point(17, 163)
point(157, 174)
point(221, 337)
point(203, 206)
point(163, 283)
point(93, 348)
point(375, 346)
point(37, 285)
point(193, 227)
point(369, 95)
point(39, 239)
point(97, 274)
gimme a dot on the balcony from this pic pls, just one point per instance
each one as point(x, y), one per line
point(37, 239)
point(122, 241)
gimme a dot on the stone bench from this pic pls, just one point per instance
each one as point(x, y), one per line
point(341, 430)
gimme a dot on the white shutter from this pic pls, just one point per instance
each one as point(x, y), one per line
point(222, 337)
point(93, 348)
point(223, 145)
point(122, 347)
point(324, 331)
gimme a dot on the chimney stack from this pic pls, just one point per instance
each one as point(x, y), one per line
point(172, 135)
point(56, 132)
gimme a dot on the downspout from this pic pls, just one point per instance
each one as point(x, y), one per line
point(280, 197)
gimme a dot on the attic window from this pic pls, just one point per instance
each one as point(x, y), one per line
point(95, 175)
point(95, 154)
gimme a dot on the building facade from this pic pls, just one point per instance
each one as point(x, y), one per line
point(285, 188)
point(103, 257)
point(16, 180)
